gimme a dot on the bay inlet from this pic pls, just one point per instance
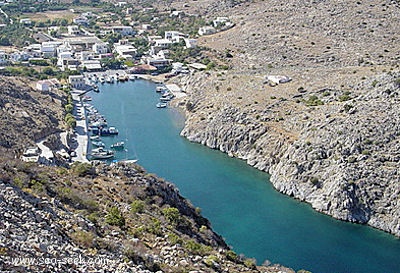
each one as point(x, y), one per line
point(239, 200)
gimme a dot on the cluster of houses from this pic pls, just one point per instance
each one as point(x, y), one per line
point(80, 50)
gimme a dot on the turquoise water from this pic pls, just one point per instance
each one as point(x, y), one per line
point(241, 204)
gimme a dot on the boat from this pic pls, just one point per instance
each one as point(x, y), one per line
point(132, 77)
point(102, 80)
point(160, 89)
point(118, 145)
point(98, 150)
point(161, 105)
point(110, 79)
point(164, 99)
point(95, 138)
point(122, 78)
point(105, 154)
point(98, 143)
point(108, 131)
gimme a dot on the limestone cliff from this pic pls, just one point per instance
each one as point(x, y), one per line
point(337, 150)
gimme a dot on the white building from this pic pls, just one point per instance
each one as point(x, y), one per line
point(19, 56)
point(100, 48)
point(174, 36)
point(159, 63)
point(123, 30)
point(81, 20)
point(25, 21)
point(84, 55)
point(73, 30)
point(207, 30)
point(91, 65)
point(124, 51)
point(189, 43)
point(49, 49)
point(47, 85)
point(220, 21)
point(76, 81)
point(163, 43)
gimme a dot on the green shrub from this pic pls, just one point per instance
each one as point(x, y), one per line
point(174, 239)
point(69, 108)
point(211, 260)
point(173, 215)
point(231, 255)
point(155, 227)
point(115, 217)
point(313, 100)
point(137, 206)
point(344, 98)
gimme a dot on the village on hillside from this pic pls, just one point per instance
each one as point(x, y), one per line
point(116, 36)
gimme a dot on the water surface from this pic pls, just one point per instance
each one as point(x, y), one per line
point(240, 202)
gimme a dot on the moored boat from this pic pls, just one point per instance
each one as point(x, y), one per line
point(164, 99)
point(98, 143)
point(108, 131)
point(161, 105)
point(118, 145)
point(105, 154)
point(97, 137)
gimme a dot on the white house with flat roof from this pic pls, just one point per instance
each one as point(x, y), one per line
point(174, 36)
point(47, 85)
point(76, 81)
point(73, 30)
point(123, 30)
point(91, 65)
point(207, 30)
point(25, 21)
point(100, 48)
point(123, 50)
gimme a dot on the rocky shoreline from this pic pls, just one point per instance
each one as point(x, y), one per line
point(341, 155)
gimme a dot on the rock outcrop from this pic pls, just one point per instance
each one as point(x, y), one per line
point(337, 150)
point(27, 115)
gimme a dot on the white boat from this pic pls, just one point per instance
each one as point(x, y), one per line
point(161, 105)
point(95, 137)
point(110, 79)
point(98, 143)
point(164, 99)
point(129, 161)
point(102, 80)
point(118, 145)
point(102, 155)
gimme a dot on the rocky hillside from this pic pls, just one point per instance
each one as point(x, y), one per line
point(104, 219)
point(27, 115)
point(330, 135)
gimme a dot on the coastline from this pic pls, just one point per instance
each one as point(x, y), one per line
point(81, 128)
